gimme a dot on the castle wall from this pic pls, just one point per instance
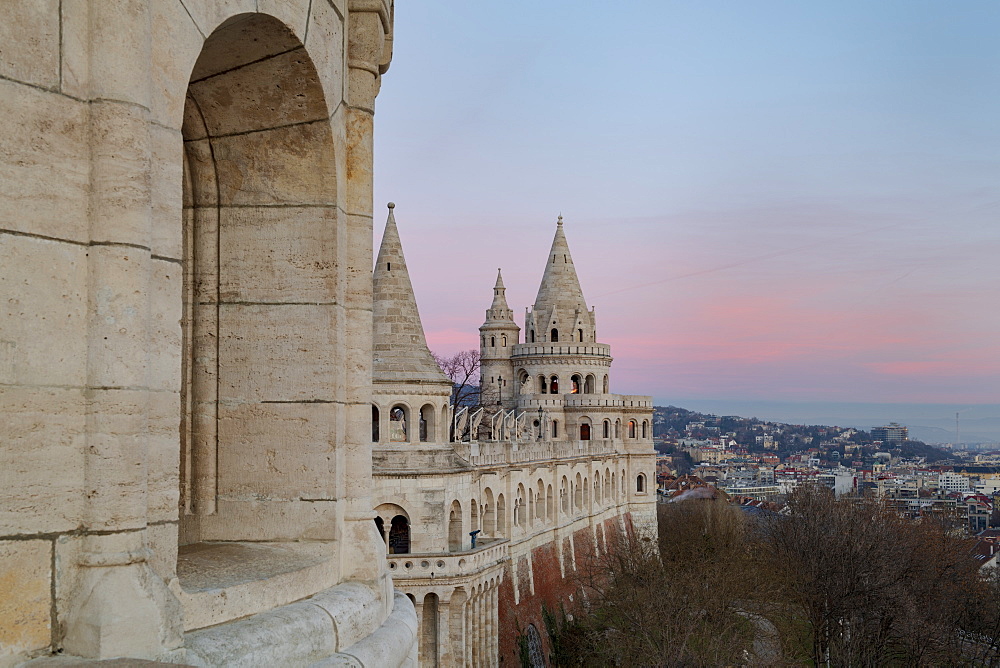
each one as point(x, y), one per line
point(186, 239)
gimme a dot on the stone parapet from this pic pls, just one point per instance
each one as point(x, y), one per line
point(522, 350)
point(406, 567)
point(494, 453)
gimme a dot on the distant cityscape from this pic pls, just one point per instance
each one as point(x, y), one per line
point(757, 463)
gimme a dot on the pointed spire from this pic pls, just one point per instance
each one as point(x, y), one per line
point(400, 350)
point(499, 296)
point(560, 287)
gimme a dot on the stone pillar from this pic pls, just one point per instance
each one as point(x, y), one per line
point(444, 633)
point(118, 606)
point(369, 50)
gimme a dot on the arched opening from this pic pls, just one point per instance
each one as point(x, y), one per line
point(489, 514)
point(523, 382)
point(474, 516)
point(575, 381)
point(380, 525)
point(640, 483)
point(550, 508)
point(578, 492)
point(399, 535)
point(586, 493)
point(605, 384)
point(564, 495)
point(259, 289)
point(455, 538)
point(607, 485)
point(631, 428)
point(623, 482)
point(503, 340)
point(532, 336)
point(543, 385)
point(458, 634)
point(618, 428)
point(540, 500)
point(614, 484)
point(531, 507)
point(493, 342)
point(428, 429)
point(584, 432)
point(554, 385)
point(375, 424)
point(589, 384)
point(501, 516)
point(579, 335)
point(555, 428)
point(554, 335)
point(645, 428)
point(428, 646)
point(607, 429)
point(398, 420)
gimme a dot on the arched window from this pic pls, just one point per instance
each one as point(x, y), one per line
point(631, 428)
point(543, 385)
point(579, 335)
point(640, 483)
point(427, 423)
point(554, 335)
point(584, 432)
point(455, 527)
point(380, 525)
point(605, 384)
point(645, 428)
point(399, 535)
point(501, 516)
point(503, 340)
point(532, 336)
point(398, 425)
point(588, 385)
point(618, 428)
point(576, 382)
point(493, 342)
point(375, 423)
point(607, 429)
point(555, 428)
point(554, 385)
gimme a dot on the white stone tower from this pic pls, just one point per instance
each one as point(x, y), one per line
point(497, 338)
point(410, 393)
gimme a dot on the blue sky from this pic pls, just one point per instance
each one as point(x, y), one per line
point(766, 201)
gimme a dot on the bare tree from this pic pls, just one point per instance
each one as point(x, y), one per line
point(463, 369)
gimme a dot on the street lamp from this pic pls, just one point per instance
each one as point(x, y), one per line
point(541, 425)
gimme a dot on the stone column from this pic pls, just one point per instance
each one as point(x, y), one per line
point(118, 605)
point(444, 633)
point(368, 56)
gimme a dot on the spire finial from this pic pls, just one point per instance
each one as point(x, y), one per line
point(559, 222)
point(391, 205)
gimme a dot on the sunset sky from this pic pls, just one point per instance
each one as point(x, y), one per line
point(766, 201)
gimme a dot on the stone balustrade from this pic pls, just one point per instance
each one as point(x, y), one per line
point(499, 453)
point(575, 349)
point(447, 564)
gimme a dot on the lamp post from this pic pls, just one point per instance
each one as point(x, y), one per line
point(541, 425)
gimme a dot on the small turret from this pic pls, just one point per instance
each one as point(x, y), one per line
point(497, 338)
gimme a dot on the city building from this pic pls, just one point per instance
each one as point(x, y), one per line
point(890, 433)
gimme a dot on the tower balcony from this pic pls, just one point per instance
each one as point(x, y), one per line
point(523, 350)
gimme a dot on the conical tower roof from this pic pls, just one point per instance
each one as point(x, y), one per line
point(400, 352)
point(499, 296)
point(560, 287)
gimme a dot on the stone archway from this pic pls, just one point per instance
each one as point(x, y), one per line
point(259, 354)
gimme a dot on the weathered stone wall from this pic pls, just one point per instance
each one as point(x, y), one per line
point(185, 347)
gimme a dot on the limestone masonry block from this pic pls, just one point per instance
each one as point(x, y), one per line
point(164, 343)
point(166, 185)
point(281, 166)
point(45, 167)
point(25, 580)
point(29, 35)
point(44, 287)
point(326, 38)
point(75, 66)
point(279, 254)
point(41, 461)
point(277, 352)
point(171, 60)
point(257, 462)
point(209, 14)
point(239, 101)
